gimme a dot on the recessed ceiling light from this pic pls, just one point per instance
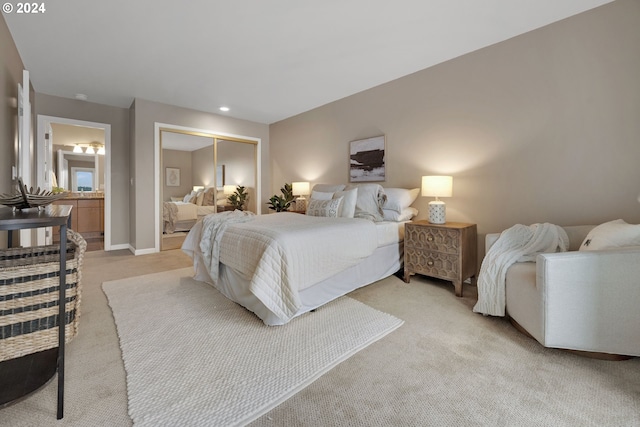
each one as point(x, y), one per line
point(224, 108)
point(81, 97)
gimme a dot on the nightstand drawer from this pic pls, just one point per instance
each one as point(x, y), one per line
point(435, 264)
point(433, 238)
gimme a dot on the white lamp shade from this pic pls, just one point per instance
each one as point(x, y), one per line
point(437, 186)
point(300, 188)
point(101, 150)
point(77, 149)
point(229, 189)
point(90, 150)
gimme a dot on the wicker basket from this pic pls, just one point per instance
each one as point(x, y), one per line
point(29, 296)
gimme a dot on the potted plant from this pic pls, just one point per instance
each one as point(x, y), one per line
point(239, 198)
point(282, 203)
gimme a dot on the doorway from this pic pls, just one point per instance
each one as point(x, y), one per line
point(56, 140)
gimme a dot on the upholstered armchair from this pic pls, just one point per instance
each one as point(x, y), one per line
point(584, 300)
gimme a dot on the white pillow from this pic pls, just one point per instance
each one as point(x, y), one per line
point(405, 215)
point(321, 195)
point(328, 208)
point(348, 206)
point(371, 198)
point(177, 199)
point(328, 188)
point(399, 198)
point(612, 234)
point(190, 198)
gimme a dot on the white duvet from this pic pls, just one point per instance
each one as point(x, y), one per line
point(284, 253)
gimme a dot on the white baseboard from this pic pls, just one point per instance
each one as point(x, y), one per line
point(120, 247)
point(147, 251)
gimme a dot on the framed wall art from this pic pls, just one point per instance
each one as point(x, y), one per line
point(366, 159)
point(172, 177)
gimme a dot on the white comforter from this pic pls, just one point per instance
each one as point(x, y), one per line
point(284, 253)
point(519, 243)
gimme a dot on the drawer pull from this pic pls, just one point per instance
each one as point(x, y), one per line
point(430, 239)
point(430, 263)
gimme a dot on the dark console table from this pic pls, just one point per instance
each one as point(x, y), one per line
point(51, 216)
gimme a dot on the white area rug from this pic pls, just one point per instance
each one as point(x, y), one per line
point(195, 358)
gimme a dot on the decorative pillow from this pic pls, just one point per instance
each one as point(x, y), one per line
point(190, 198)
point(612, 234)
point(405, 215)
point(348, 206)
point(399, 198)
point(209, 197)
point(321, 195)
point(177, 199)
point(328, 188)
point(328, 208)
point(369, 202)
point(199, 197)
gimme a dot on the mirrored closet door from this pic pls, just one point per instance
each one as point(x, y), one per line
point(199, 172)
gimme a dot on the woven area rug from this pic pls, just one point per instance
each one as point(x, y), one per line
point(194, 358)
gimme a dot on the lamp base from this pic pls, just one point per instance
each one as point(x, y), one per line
point(437, 212)
point(301, 204)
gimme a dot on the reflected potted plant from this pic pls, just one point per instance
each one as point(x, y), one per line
point(282, 203)
point(239, 198)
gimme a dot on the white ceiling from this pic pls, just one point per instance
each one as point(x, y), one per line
point(266, 60)
point(184, 142)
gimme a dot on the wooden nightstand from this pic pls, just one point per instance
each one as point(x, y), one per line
point(446, 251)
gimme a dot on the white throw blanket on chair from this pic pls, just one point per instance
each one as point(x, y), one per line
point(519, 243)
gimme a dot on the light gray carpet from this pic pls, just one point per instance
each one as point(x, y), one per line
point(195, 358)
point(445, 366)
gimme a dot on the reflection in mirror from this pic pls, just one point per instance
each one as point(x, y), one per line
point(239, 160)
point(78, 172)
point(204, 164)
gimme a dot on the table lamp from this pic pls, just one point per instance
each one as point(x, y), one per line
point(300, 189)
point(437, 186)
point(229, 189)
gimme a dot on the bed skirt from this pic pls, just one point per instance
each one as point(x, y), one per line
point(384, 262)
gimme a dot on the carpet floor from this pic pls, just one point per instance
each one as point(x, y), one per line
point(193, 357)
point(445, 366)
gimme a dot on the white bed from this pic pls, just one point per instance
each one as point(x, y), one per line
point(239, 285)
point(182, 213)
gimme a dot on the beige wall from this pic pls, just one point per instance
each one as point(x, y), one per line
point(203, 172)
point(182, 160)
point(118, 118)
point(147, 113)
point(544, 127)
point(11, 67)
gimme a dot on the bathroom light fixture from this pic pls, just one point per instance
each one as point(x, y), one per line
point(437, 186)
point(77, 149)
point(90, 150)
point(101, 150)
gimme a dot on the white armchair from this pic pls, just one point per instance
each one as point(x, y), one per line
point(587, 301)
